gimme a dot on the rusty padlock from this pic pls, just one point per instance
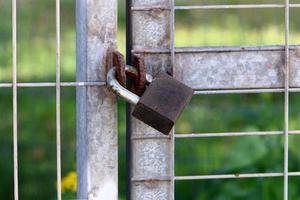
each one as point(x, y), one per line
point(161, 103)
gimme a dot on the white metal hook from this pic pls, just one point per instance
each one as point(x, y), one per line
point(113, 83)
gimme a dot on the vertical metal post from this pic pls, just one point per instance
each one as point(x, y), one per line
point(58, 127)
point(286, 100)
point(128, 106)
point(173, 67)
point(97, 148)
point(15, 100)
point(151, 157)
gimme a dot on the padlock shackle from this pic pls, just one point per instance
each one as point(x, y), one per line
point(119, 89)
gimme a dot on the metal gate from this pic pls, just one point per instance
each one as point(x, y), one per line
point(209, 70)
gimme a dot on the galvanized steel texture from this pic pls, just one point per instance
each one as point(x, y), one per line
point(151, 157)
point(214, 70)
point(97, 147)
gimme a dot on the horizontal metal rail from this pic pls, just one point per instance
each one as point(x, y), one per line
point(152, 179)
point(53, 84)
point(234, 134)
point(244, 91)
point(210, 7)
point(234, 176)
point(215, 176)
point(150, 137)
point(243, 6)
point(217, 49)
point(103, 83)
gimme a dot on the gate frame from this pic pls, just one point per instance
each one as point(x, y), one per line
point(97, 141)
point(150, 155)
point(150, 161)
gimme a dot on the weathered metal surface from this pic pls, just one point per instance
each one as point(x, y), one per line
point(151, 157)
point(158, 62)
point(151, 29)
point(152, 190)
point(151, 3)
point(97, 163)
point(230, 67)
point(119, 63)
point(140, 81)
point(237, 70)
point(162, 103)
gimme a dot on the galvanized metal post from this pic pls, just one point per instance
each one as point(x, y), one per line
point(97, 163)
point(151, 152)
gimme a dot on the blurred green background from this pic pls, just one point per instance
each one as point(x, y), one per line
point(213, 113)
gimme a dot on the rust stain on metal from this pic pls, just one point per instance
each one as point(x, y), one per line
point(140, 80)
point(116, 59)
point(119, 63)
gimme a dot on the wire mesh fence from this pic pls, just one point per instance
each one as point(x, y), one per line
point(160, 45)
point(208, 70)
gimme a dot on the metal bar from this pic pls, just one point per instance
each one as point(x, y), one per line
point(148, 8)
point(237, 70)
point(234, 176)
point(151, 157)
point(234, 68)
point(15, 104)
point(151, 179)
point(173, 65)
point(286, 100)
point(215, 49)
point(210, 7)
point(243, 6)
point(102, 83)
point(244, 91)
point(234, 48)
point(128, 143)
point(294, 5)
point(58, 125)
point(49, 84)
point(215, 176)
point(234, 134)
point(150, 137)
point(97, 141)
point(239, 91)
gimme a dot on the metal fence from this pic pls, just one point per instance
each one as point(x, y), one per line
point(153, 30)
point(84, 82)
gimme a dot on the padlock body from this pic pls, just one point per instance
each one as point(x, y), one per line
point(162, 102)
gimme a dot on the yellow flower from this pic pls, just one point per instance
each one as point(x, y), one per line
point(69, 182)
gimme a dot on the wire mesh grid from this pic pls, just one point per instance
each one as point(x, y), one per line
point(15, 85)
point(285, 174)
point(286, 90)
point(58, 84)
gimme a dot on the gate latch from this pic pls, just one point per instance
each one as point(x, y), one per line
point(161, 101)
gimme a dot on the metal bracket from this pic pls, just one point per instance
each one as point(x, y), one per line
point(137, 71)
